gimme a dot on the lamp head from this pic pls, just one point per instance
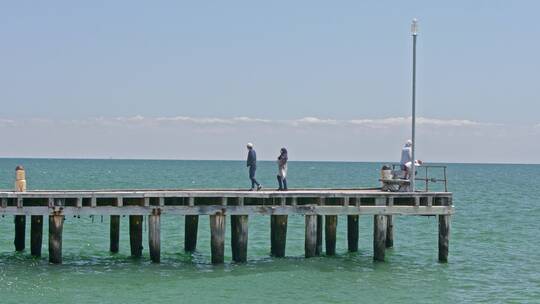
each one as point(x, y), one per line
point(414, 27)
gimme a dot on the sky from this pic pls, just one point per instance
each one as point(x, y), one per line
point(330, 80)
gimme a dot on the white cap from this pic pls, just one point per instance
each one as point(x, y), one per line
point(249, 145)
point(408, 143)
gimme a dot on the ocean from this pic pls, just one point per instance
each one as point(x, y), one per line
point(494, 254)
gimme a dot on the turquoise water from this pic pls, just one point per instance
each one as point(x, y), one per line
point(494, 252)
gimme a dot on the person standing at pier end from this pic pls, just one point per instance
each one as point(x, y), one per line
point(252, 165)
point(406, 157)
point(282, 170)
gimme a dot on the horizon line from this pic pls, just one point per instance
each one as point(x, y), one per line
point(263, 160)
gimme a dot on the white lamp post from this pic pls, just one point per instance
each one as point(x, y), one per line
point(414, 32)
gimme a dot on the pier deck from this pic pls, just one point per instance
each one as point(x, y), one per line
point(317, 205)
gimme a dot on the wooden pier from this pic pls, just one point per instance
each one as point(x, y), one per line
point(314, 204)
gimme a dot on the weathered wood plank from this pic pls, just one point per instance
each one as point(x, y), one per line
point(234, 210)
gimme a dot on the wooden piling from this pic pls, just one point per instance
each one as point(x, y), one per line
point(20, 232)
point(136, 235)
point(278, 235)
point(217, 237)
point(352, 232)
point(190, 232)
point(36, 234)
point(379, 237)
point(330, 233)
point(310, 245)
point(20, 220)
point(444, 237)
point(114, 233)
point(154, 238)
point(389, 231)
point(318, 249)
point(56, 224)
point(239, 237)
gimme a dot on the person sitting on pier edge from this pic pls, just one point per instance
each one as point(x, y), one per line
point(282, 170)
point(252, 165)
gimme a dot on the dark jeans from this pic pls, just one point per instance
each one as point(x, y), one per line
point(282, 183)
point(254, 182)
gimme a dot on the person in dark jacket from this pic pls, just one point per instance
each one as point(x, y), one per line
point(282, 169)
point(252, 165)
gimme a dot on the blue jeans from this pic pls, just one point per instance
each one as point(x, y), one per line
point(254, 182)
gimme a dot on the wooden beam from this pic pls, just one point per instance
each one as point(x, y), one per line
point(444, 237)
point(136, 235)
point(330, 233)
point(56, 225)
point(352, 232)
point(36, 235)
point(114, 236)
point(190, 232)
point(379, 237)
point(217, 237)
point(389, 231)
point(154, 236)
point(310, 245)
point(239, 238)
point(278, 235)
point(237, 210)
point(20, 232)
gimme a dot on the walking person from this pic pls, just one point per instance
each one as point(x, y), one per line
point(282, 169)
point(252, 165)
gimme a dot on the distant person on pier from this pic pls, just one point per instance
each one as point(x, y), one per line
point(406, 159)
point(252, 165)
point(282, 169)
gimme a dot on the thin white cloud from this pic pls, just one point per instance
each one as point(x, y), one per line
point(388, 122)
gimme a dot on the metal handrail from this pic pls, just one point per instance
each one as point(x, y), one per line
point(426, 178)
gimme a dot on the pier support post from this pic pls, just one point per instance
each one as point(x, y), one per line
point(330, 234)
point(154, 238)
point(217, 237)
point(56, 225)
point(444, 236)
point(136, 235)
point(310, 245)
point(20, 232)
point(318, 249)
point(389, 231)
point(379, 237)
point(352, 232)
point(239, 237)
point(36, 234)
point(278, 235)
point(190, 232)
point(114, 233)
